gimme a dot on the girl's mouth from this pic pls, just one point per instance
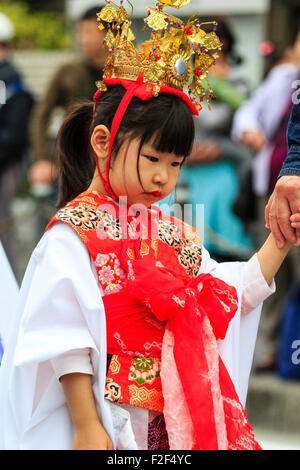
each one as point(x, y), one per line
point(155, 193)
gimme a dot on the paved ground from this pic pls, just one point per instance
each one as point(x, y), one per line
point(273, 408)
point(273, 404)
point(277, 441)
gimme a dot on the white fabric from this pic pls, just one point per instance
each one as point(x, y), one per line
point(264, 111)
point(77, 360)
point(59, 310)
point(8, 295)
point(139, 425)
point(256, 290)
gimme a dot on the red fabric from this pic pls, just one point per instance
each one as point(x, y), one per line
point(144, 91)
point(127, 316)
point(141, 90)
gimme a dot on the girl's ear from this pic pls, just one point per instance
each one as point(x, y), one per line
point(100, 141)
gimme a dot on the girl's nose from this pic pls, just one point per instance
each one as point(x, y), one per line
point(161, 177)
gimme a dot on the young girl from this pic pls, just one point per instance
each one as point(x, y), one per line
point(127, 335)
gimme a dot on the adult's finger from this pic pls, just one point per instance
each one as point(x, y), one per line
point(267, 210)
point(298, 232)
point(294, 202)
point(288, 192)
point(295, 220)
point(283, 214)
point(274, 225)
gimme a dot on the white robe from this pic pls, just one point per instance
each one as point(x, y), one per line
point(60, 309)
point(8, 295)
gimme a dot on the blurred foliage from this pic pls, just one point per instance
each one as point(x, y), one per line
point(37, 30)
point(23, 187)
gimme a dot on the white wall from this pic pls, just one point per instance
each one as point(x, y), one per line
point(250, 31)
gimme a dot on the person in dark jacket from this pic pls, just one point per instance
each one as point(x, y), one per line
point(262, 125)
point(15, 107)
point(285, 199)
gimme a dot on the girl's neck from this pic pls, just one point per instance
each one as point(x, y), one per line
point(97, 185)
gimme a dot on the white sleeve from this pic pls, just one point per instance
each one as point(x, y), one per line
point(61, 297)
point(254, 289)
point(59, 310)
point(9, 290)
point(76, 360)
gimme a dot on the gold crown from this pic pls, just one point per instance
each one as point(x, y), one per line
point(176, 55)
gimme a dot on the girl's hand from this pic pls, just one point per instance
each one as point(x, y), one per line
point(295, 220)
point(89, 433)
point(92, 437)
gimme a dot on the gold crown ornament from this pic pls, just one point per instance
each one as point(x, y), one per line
point(177, 55)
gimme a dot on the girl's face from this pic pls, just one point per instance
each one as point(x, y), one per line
point(158, 172)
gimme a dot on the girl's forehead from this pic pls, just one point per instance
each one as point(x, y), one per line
point(132, 147)
point(150, 147)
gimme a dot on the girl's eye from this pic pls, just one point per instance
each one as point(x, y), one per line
point(176, 164)
point(151, 159)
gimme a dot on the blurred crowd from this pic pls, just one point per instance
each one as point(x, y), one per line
point(238, 152)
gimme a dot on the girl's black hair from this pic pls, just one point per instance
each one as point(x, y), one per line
point(166, 119)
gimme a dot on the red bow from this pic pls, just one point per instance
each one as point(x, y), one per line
point(198, 313)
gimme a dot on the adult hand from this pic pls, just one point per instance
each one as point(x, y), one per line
point(284, 201)
point(255, 139)
point(205, 152)
point(42, 172)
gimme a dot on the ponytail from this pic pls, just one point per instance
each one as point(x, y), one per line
point(75, 157)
